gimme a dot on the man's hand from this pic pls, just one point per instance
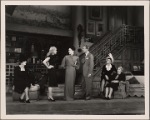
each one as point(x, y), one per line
point(89, 75)
point(13, 88)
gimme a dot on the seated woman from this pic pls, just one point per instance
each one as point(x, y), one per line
point(113, 85)
point(22, 81)
point(108, 72)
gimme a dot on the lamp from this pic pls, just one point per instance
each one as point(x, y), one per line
point(34, 54)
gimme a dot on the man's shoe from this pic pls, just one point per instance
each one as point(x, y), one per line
point(51, 100)
point(101, 95)
point(28, 101)
point(21, 100)
point(87, 98)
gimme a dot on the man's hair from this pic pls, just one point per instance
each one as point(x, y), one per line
point(86, 46)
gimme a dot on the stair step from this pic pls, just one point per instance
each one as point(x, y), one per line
point(96, 79)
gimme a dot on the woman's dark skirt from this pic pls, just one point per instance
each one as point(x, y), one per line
point(21, 86)
point(52, 78)
point(114, 86)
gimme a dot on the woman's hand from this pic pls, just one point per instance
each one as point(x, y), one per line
point(107, 78)
point(75, 63)
point(110, 55)
point(89, 75)
point(13, 88)
point(50, 67)
point(115, 81)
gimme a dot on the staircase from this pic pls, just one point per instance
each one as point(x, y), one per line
point(113, 42)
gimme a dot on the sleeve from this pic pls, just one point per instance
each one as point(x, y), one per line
point(114, 76)
point(63, 63)
point(114, 70)
point(123, 77)
point(103, 72)
point(31, 78)
point(91, 64)
point(78, 64)
point(46, 61)
point(15, 76)
point(56, 63)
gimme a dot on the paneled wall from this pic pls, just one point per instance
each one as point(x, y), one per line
point(96, 20)
point(131, 59)
point(117, 15)
point(135, 16)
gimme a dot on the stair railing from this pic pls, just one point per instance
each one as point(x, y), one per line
point(96, 46)
point(106, 46)
point(116, 40)
point(113, 42)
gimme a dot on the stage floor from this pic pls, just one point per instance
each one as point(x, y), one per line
point(96, 106)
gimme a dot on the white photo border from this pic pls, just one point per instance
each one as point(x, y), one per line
point(105, 3)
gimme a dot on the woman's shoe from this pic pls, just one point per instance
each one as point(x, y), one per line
point(105, 98)
point(21, 100)
point(108, 98)
point(51, 100)
point(28, 101)
point(101, 95)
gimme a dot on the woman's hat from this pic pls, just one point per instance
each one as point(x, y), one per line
point(73, 48)
point(22, 58)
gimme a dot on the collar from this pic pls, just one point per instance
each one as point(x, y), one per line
point(108, 67)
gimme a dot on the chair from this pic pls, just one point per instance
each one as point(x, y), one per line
point(133, 86)
point(136, 85)
point(122, 91)
point(33, 93)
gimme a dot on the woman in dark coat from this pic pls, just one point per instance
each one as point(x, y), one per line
point(113, 85)
point(22, 80)
point(50, 63)
point(70, 63)
point(108, 72)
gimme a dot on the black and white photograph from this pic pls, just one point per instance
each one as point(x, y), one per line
point(75, 60)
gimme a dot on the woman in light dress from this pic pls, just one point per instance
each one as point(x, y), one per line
point(70, 63)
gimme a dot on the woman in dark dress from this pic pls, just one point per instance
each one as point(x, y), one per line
point(50, 63)
point(108, 72)
point(22, 81)
point(113, 85)
point(70, 63)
